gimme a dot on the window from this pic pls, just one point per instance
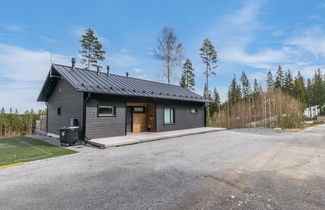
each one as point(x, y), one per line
point(193, 110)
point(106, 111)
point(138, 109)
point(58, 111)
point(169, 115)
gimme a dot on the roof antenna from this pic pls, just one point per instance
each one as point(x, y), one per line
point(97, 69)
point(51, 49)
point(51, 58)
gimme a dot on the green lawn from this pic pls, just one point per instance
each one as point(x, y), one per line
point(25, 149)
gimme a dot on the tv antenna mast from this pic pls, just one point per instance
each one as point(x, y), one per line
point(51, 48)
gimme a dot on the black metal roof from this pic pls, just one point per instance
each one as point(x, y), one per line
point(89, 81)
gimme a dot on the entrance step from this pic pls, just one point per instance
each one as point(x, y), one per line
point(147, 137)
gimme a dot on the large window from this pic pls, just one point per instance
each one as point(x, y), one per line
point(169, 115)
point(106, 111)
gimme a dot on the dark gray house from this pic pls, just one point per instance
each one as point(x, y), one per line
point(105, 105)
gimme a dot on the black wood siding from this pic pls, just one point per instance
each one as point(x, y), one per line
point(183, 117)
point(97, 127)
point(71, 103)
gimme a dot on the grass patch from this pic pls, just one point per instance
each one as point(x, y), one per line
point(25, 149)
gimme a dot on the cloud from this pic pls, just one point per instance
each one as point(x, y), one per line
point(22, 73)
point(314, 17)
point(123, 50)
point(122, 60)
point(15, 27)
point(264, 59)
point(239, 31)
point(312, 39)
point(78, 31)
point(17, 63)
point(277, 33)
point(238, 28)
point(137, 70)
point(236, 31)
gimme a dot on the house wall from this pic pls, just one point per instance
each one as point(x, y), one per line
point(71, 103)
point(98, 127)
point(183, 117)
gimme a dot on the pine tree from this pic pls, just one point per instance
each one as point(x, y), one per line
point(234, 93)
point(257, 87)
point(309, 93)
point(269, 82)
point(246, 87)
point(209, 58)
point(279, 79)
point(91, 51)
point(215, 105)
point(216, 96)
point(298, 91)
point(187, 79)
point(288, 83)
point(318, 89)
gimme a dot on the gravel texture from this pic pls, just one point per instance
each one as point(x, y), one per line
point(262, 131)
point(223, 170)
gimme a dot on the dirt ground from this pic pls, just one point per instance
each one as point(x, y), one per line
point(237, 169)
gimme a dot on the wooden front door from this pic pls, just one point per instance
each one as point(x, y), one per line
point(140, 117)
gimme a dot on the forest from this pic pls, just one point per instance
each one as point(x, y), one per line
point(280, 104)
point(14, 124)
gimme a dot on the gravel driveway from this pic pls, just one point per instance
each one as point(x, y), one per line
point(243, 168)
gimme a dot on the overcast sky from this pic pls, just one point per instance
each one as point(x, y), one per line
point(255, 36)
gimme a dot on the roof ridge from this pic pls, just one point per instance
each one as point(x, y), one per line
point(124, 76)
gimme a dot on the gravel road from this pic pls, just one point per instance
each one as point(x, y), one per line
point(238, 169)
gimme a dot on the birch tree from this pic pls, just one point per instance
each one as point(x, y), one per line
point(169, 51)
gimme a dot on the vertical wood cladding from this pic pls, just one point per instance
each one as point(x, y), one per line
point(70, 101)
point(98, 127)
point(183, 117)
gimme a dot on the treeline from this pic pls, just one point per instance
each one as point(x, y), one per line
point(14, 124)
point(280, 104)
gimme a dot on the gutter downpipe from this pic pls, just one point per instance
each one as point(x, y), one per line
point(84, 137)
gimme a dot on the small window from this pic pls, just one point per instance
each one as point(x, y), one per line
point(106, 111)
point(138, 109)
point(169, 115)
point(193, 110)
point(58, 111)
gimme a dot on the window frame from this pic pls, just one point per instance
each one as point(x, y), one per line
point(106, 115)
point(59, 111)
point(173, 117)
point(196, 110)
point(141, 112)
